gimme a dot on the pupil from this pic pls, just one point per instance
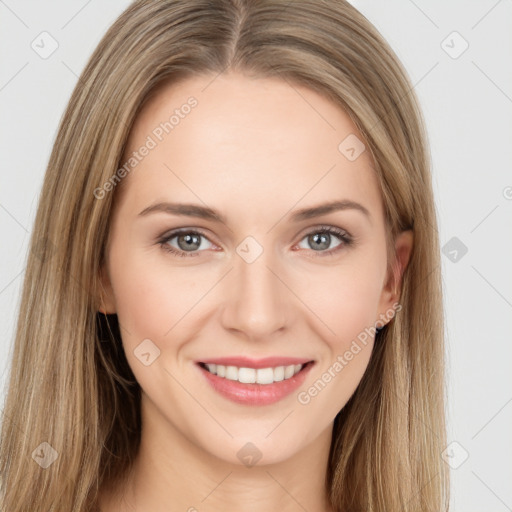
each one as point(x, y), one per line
point(324, 240)
point(190, 241)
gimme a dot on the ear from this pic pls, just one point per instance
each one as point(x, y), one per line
point(107, 300)
point(391, 291)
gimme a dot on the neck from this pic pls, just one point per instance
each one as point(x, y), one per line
point(171, 469)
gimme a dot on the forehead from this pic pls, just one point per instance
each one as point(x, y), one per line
point(233, 140)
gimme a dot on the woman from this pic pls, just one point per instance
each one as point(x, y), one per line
point(233, 296)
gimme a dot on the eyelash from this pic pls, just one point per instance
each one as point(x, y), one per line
point(344, 237)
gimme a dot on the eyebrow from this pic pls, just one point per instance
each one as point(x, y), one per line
point(203, 212)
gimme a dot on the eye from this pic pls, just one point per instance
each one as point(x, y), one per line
point(322, 237)
point(187, 241)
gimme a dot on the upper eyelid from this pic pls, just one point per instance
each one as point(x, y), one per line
point(171, 234)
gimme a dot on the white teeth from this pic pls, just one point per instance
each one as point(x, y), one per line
point(252, 375)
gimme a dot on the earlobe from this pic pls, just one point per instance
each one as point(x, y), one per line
point(391, 291)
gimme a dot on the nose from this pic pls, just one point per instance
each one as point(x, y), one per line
point(257, 300)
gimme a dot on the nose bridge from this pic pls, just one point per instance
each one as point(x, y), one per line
point(256, 300)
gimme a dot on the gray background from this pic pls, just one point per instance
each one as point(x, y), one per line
point(467, 101)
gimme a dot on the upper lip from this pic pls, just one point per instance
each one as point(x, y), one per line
point(247, 362)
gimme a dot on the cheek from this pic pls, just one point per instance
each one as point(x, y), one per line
point(346, 302)
point(150, 298)
point(345, 298)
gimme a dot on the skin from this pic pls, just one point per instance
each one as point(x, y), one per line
point(256, 150)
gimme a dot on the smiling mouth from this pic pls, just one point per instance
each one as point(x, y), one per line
point(265, 376)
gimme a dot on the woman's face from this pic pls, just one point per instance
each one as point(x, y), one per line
point(266, 281)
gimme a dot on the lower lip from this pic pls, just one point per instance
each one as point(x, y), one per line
point(256, 394)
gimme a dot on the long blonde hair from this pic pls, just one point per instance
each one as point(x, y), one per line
point(70, 385)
